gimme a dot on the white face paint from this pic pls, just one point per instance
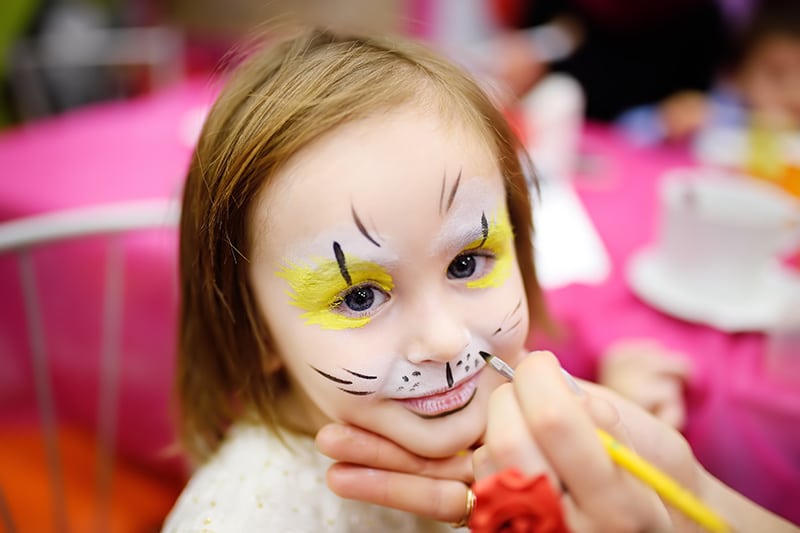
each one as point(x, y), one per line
point(383, 262)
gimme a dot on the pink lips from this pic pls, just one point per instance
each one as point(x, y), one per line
point(443, 402)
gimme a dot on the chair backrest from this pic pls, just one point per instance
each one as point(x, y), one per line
point(108, 225)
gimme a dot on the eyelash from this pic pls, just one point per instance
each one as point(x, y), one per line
point(480, 270)
point(339, 303)
point(340, 306)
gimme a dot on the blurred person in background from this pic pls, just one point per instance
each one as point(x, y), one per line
point(623, 53)
point(759, 87)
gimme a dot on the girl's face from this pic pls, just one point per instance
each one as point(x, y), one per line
point(770, 79)
point(383, 261)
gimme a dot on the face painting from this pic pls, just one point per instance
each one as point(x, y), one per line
point(383, 261)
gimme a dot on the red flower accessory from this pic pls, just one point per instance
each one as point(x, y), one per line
point(510, 502)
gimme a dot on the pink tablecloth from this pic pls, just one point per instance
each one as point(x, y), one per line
point(743, 425)
point(108, 153)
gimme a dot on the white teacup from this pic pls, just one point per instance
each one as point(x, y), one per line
point(720, 232)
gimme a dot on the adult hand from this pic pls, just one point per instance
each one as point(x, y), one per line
point(538, 425)
point(649, 375)
point(373, 469)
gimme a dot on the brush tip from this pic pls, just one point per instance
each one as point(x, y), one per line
point(486, 356)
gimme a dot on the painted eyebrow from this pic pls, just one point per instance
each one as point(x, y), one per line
point(362, 228)
point(463, 240)
point(483, 232)
point(484, 228)
point(339, 255)
point(452, 194)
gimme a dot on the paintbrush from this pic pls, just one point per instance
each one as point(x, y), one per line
point(669, 490)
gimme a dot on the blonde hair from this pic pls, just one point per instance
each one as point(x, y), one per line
point(277, 102)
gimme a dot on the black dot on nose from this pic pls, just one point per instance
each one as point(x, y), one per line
point(405, 378)
point(415, 373)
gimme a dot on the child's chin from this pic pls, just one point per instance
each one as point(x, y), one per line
point(443, 444)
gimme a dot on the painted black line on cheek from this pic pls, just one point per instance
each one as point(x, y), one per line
point(356, 374)
point(363, 229)
point(357, 392)
point(449, 373)
point(339, 254)
point(332, 378)
point(509, 314)
point(453, 192)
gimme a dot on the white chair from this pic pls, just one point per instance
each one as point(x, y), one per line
point(21, 238)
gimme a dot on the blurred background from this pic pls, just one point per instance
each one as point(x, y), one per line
point(60, 54)
point(620, 102)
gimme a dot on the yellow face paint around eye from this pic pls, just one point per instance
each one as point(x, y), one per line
point(318, 289)
point(500, 241)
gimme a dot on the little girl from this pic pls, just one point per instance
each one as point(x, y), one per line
point(355, 229)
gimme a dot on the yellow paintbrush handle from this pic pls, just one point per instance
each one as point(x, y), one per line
point(670, 491)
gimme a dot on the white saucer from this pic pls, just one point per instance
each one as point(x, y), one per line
point(651, 282)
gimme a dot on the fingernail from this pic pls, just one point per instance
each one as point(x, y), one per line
point(572, 383)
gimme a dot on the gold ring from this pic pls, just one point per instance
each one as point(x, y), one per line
point(471, 500)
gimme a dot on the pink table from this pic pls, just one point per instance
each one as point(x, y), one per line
point(744, 426)
point(108, 153)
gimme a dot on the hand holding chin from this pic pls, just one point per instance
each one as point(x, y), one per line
point(373, 469)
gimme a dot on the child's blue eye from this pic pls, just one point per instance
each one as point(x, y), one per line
point(361, 300)
point(462, 267)
point(471, 265)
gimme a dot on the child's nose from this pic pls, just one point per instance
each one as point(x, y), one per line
point(437, 334)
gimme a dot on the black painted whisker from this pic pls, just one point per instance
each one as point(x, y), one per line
point(357, 392)
point(332, 378)
point(517, 323)
point(356, 374)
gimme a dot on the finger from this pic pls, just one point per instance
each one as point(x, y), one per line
point(676, 364)
point(669, 451)
point(438, 499)
point(482, 465)
point(664, 399)
point(672, 413)
point(564, 430)
point(600, 493)
point(606, 416)
point(508, 441)
point(349, 444)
